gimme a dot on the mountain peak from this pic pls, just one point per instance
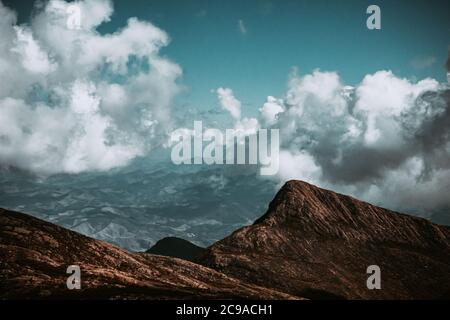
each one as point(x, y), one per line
point(318, 212)
point(311, 243)
point(315, 240)
point(293, 192)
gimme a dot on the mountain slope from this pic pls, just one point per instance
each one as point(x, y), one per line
point(34, 256)
point(311, 243)
point(316, 243)
point(177, 248)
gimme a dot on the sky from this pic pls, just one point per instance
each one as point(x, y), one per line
point(251, 46)
point(361, 112)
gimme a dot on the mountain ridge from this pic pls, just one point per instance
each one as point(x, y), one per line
point(313, 240)
point(35, 254)
point(311, 243)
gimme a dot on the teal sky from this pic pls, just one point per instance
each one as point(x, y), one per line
point(331, 35)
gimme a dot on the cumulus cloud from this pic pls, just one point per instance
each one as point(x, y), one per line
point(77, 100)
point(74, 100)
point(271, 108)
point(32, 57)
point(298, 165)
point(386, 140)
point(229, 102)
point(248, 126)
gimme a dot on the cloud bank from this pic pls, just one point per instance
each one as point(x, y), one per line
point(386, 140)
point(77, 100)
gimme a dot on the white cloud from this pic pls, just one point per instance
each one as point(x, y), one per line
point(385, 140)
point(33, 59)
point(78, 116)
point(229, 102)
point(299, 166)
point(381, 98)
point(271, 108)
point(62, 110)
point(248, 126)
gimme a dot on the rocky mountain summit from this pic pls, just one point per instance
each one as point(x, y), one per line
point(311, 243)
point(316, 243)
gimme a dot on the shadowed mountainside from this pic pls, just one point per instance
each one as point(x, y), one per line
point(177, 248)
point(318, 244)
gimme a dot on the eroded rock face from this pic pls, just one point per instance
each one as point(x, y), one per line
point(34, 256)
point(318, 244)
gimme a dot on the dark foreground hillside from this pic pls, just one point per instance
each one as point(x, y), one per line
point(311, 243)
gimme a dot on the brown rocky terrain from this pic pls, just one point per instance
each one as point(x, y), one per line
point(311, 243)
point(316, 243)
point(34, 256)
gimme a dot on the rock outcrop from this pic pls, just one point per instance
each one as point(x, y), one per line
point(317, 244)
point(311, 243)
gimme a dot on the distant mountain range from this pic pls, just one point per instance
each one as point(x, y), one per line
point(311, 243)
point(135, 206)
